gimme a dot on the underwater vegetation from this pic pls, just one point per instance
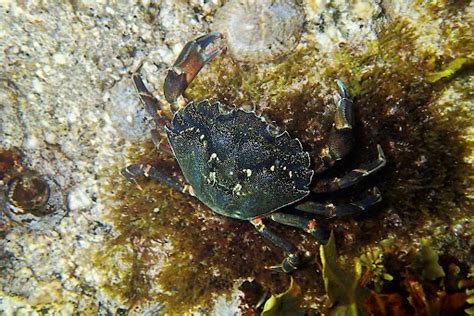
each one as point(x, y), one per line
point(412, 254)
point(422, 288)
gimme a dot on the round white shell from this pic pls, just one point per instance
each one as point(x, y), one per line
point(259, 31)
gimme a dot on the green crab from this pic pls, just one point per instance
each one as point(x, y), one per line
point(242, 166)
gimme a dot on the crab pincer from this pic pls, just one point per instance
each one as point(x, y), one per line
point(192, 58)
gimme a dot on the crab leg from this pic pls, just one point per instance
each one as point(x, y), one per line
point(353, 177)
point(152, 105)
point(308, 225)
point(330, 210)
point(341, 138)
point(157, 141)
point(192, 58)
point(293, 258)
point(142, 170)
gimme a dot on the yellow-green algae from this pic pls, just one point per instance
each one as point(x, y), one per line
point(343, 287)
point(208, 252)
point(431, 292)
point(286, 303)
point(425, 184)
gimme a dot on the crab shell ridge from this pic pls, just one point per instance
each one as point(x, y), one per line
point(238, 164)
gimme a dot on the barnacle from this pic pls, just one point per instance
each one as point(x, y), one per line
point(28, 193)
point(260, 31)
point(22, 191)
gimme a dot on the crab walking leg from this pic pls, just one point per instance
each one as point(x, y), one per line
point(308, 225)
point(350, 209)
point(157, 141)
point(152, 105)
point(341, 138)
point(192, 58)
point(293, 258)
point(141, 170)
point(351, 178)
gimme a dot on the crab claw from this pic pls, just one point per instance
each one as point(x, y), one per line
point(344, 118)
point(192, 58)
point(344, 94)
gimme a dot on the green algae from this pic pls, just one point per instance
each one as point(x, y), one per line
point(414, 293)
point(342, 286)
point(431, 292)
point(449, 70)
point(372, 261)
point(286, 303)
point(417, 120)
point(427, 262)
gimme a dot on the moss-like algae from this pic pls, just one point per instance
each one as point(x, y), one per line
point(207, 252)
point(425, 185)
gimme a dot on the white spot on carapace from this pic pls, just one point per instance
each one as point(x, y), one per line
point(213, 156)
point(272, 168)
point(237, 188)
point(284, 168)
point(290, 174)
point(248, 172)
point(212, 178)
point(202, 137)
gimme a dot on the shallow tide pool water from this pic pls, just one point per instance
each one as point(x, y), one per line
point(78, 238)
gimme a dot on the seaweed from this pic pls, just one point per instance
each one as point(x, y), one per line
point(374, 265)
point(420, 287)
point(468, 285)
point(418, 292)
point(449, 70)
point(342, 286)
point(427, 262)
point(286, 303)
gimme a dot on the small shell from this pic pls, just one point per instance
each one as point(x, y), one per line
point(28, 193)
point(260, 31)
